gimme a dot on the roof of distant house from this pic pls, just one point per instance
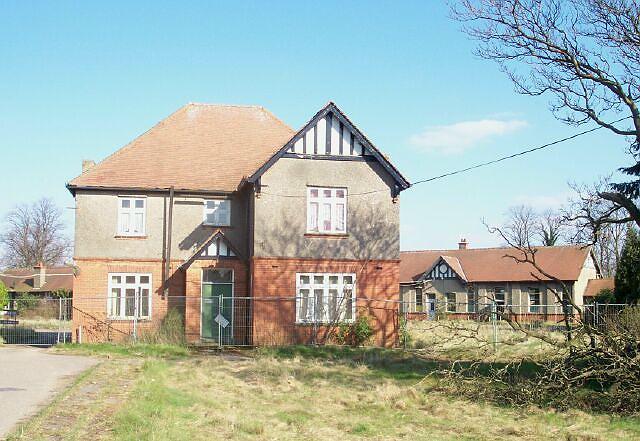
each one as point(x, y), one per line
point(24, 279)
point(594, 286)
point(495, 265)
point(208, 147)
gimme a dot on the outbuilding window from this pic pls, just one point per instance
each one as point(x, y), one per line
point(326, 210)
point(534, 300)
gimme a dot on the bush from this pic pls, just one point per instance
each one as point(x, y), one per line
point(357, 333)
point(605, 295)
point(4, 295)
point(170, 331)
point(26, 301)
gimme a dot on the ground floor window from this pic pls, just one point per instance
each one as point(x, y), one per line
point(451, 301)
point(325, 298)
point(419, 300)
point(499, 298)
point(129, 296)
point(471, 301)
point(534, 300)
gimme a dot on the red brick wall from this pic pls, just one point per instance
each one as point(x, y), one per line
point(90, 297)
point(193, 294)
point(274, 280)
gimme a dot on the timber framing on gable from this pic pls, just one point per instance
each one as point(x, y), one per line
point(346, 142)
point(217, 246)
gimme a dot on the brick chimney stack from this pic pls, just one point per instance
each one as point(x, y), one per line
point(462, 245)
point(41, 275)
point(87, 164)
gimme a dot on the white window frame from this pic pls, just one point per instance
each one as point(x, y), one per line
point(326, 287)
point(123, 286)
point(472, 304)
point(206, 210)
point(534, 308)
point(320, 202)
point(449, 303)
point(132, 211)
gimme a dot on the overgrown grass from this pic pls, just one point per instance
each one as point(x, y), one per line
point(128, 350)
point(325, 393)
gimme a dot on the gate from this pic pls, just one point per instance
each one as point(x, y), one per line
point(36, 321)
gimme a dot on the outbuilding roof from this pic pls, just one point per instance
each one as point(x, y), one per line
point(23, 279)
point(494, 265)
point(594, 286)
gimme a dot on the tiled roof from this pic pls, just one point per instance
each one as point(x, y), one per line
point(199, 147)
point(594, 286)
point(22, 279)
point(491, 265)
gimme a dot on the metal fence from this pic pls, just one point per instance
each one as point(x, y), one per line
point(221, 320)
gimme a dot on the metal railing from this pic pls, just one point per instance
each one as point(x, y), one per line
point(221, 320)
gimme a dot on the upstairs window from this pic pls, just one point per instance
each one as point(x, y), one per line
point(326, 210)
point(131, 216)
point(217, 212)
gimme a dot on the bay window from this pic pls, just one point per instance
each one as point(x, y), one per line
point(325, 298)
point(326, 210)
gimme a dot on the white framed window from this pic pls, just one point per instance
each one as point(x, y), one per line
point(131, 216)
point(217, 212)
point(325, 297)
point(451, 301)
point(534, 300)
point(129, 296)
point(326, 210)
point(471, 301)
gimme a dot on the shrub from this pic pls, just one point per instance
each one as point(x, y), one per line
point(26, 301)
point(170, 331)
point(605, 295)
point(356, 333)
point(4, 295)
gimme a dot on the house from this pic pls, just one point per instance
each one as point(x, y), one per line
point(464, 281)
point(254, 232)
point(40, 280)
point(596, 286)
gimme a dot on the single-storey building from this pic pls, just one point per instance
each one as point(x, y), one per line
point(467, 280)
point(40, 280)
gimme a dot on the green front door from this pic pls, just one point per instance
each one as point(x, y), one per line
point(217, 305)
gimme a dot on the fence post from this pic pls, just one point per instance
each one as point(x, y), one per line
point(595, 315)
point(494, 325)
point(220, 303)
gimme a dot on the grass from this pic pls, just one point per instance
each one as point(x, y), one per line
point(293, 393)
point(127, 350)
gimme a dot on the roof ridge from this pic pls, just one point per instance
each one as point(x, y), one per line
point(492, 248)
point(245, 106)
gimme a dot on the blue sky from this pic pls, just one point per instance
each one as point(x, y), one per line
point(81, 79)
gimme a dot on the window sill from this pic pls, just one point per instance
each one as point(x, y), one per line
point(327, 235)
point(120, 236)
point(128, 319)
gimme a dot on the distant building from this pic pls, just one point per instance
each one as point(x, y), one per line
point(463, 280)
point(40, 280)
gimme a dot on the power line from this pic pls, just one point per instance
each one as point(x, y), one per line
point(472, 167)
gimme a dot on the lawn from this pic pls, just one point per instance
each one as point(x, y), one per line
point(164, 393)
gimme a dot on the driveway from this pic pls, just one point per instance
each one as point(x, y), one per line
point(29, 379)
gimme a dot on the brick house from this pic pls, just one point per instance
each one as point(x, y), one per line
point(463, 281)
point(256, 233)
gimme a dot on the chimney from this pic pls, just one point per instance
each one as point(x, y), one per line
point(40, 277)
point(462, 245)
point(87, 164)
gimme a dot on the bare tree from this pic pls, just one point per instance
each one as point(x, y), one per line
point(34, 234)
point(584, 53)
point(598, 222)
point(521, 226)
point(550, 228)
